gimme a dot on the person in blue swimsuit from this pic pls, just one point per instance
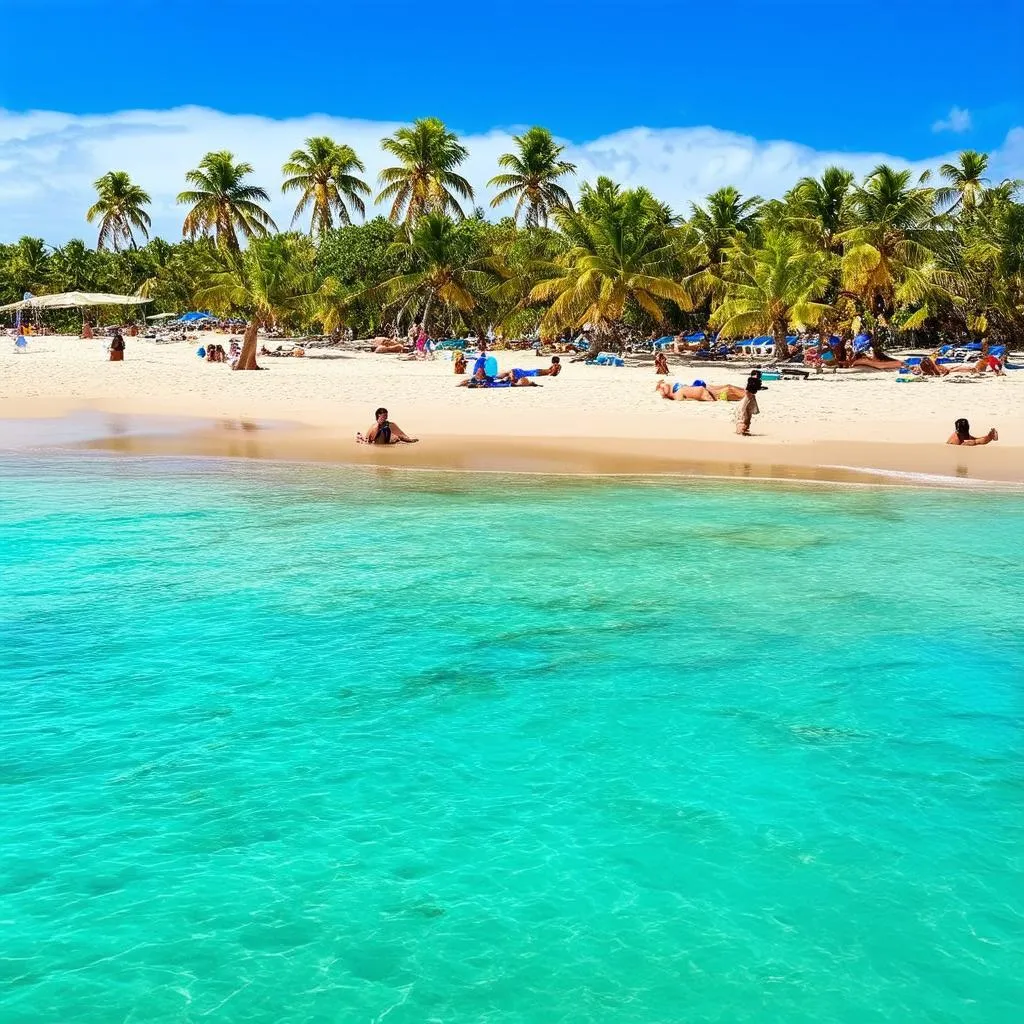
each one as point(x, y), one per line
point(522, 378)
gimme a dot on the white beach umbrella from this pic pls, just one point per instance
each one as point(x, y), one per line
point(75, 300)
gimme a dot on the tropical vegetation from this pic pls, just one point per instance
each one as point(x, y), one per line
point(322, 174)
point(119, 208)
point(222, 203)
point(532, 177)
point(906, 256)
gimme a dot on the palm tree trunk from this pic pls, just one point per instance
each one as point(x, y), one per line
point(247, 358)
point(781, 347)
point(426, 313)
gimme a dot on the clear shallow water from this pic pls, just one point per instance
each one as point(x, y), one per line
point(286, 745)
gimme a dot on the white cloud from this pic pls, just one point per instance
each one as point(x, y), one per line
point(958, 120)
point(49, 160)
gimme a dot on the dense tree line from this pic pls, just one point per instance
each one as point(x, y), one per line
point(929, 256)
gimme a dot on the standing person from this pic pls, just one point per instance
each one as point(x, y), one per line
point(117, 348)
point(421, 343)
point(748, 407)
point(962, 435)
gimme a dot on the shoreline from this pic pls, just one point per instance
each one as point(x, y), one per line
point(591, 420)
point(272, 440)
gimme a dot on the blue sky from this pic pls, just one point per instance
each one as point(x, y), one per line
point(682, 98)
point(873, 75)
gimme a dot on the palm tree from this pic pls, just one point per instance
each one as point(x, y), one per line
point(967, 183)
point(271, 282)
point(770, 288)
point(533, 178)
point(889, 253)
point(222, 203)
point(425, 180)
point(620, 253)
point(820, 209)
point(73, 268)
point(322, 173)
point(724, 217)
point(28, 265)
point(119, 206)
point(444, 269)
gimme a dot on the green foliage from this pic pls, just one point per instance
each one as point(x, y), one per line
point(771, 288)
point(223, 204)
point(891, 252)
point(425, 179)
point(119, 209)
point(322, 175)
point(451, 275)
point(532, 178)
point(273, 281)
point(620, 253)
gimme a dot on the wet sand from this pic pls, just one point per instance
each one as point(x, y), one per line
point(828, 461)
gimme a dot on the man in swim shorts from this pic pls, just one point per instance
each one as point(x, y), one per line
point(521, 378)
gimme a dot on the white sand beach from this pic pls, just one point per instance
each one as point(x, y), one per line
point(588, 417)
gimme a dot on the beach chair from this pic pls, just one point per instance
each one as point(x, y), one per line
point(861, 344)
point(716, 352)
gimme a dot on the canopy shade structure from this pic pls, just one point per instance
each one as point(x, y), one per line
point(189, 318)
point(162, 316)
point(75, 300)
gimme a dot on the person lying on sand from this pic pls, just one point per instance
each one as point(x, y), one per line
point(385, 432)
point(698, 391)
point(866, 362)
point(962, 435)
point(521, 378)
point(387, 346)
point(929, 368)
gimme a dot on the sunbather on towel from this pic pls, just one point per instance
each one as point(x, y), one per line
point(929, 368)
point(962, 435)
point(698, 391)
point(866, 362)
point(521, 378)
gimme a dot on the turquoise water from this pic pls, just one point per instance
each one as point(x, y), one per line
point(286, 745)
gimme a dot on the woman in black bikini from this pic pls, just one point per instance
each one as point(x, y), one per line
point(385, 432)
